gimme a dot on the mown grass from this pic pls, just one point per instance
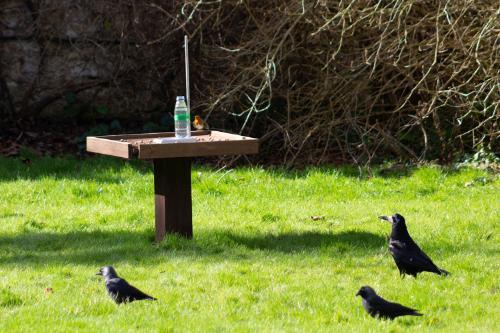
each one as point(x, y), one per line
point(257, 263)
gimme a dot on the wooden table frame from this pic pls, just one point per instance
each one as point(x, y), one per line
point(172, 168)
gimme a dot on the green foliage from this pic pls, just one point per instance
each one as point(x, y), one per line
point(71, 109)
point(115, 125)
point(102, 109)
point(152, 127)
point(70, 97)
point(26, 153)
point(98, 130)
point(167, 121)
point(482, 158)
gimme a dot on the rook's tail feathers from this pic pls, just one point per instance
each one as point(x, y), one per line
point(444, 272)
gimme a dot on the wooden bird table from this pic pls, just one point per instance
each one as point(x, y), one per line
point(172, 168)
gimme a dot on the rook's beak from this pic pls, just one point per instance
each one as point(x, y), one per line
point(357, 294)
point(98, 273)
point(386, 218)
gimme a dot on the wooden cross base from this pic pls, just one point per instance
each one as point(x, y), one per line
point(172, 180)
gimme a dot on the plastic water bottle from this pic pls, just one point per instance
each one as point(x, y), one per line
point(182, 119)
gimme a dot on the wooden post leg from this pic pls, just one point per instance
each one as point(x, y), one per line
point(172, 177)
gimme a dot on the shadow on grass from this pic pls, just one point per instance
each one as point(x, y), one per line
point(107, 169)
point(105, 247)
point(77, 247)
point(296, 242)
point(100, 169)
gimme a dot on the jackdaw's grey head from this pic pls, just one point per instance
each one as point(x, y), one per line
point(107, 272)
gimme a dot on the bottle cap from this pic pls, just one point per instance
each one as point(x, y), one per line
point(180, 98)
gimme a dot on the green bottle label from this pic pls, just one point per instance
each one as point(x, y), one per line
point(181, 117)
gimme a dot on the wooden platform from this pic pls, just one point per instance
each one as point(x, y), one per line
point(141, 146)
point(172, 168)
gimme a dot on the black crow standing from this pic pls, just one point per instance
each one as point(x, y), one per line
point(409, 258)
point(378, 307)
point(119, 289)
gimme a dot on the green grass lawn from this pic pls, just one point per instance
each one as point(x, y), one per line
point(257, 263)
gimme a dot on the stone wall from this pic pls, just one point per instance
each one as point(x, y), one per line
point(90, 58)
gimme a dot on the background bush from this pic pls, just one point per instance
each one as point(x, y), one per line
point(318, 81)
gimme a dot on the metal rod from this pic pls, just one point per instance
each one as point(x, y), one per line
point(186, 61)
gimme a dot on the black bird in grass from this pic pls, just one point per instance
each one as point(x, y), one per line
point(409, 258)
point(119, 289)
point(378, 307)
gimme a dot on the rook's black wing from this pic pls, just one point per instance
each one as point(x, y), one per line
point(411, 256)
